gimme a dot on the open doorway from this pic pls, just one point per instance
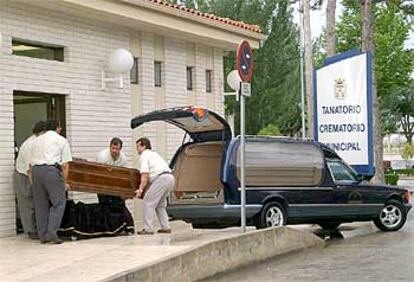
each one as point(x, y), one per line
point(29, 108)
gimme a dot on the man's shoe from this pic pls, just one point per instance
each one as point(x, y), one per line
point(56, 241)
point(44, 241)
point(167, 231)
point(144, 232)
point(33, 236)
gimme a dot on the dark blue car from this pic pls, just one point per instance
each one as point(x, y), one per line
point(288, 181)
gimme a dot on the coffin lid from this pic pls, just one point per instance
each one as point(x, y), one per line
point(200, 123)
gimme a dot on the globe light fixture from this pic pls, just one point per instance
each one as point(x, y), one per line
point(120, 62)
point(233, 80)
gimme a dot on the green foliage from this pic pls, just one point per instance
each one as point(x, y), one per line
point(403, 171)
point(393, 63)
point(391, 178)
point(275, 85)
point(407, 152)
point(269, 130)
point(398, 112)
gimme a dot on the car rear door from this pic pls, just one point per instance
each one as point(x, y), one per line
point(201, 124)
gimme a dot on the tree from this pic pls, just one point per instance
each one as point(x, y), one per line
point(308, 66)
point(269, 130)
point(407, 153)
point(368, 45)
point(400, 105)
point(330, 27)
point(393, 64)
point(275, 84)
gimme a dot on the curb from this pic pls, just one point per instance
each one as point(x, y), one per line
point(222, 255)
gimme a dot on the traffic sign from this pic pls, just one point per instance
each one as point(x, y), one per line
point(244, 61)
point(246, 89)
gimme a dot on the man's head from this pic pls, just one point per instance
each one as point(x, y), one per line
point(39, 128)
point(54, 124)
point(115, 147)
point(143, 144)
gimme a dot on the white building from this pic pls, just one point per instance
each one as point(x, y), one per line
point(51, 57)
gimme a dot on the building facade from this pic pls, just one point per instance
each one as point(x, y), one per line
point(52, 54)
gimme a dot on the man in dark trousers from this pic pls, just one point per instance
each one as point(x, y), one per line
point(50, 156)
point(21, 183)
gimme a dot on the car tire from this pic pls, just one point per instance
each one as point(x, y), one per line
point(391, 217)
point(329, 225)
point(273, 214)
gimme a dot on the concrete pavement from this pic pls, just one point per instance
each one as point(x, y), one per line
point(123, 257)
point(367, 255)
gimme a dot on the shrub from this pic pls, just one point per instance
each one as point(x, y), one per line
point(269, 130)
point(391, 178)
point(407, 152)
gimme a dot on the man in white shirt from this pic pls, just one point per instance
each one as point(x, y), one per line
point(156, 173)
point(50, 156)
point(112, 156)
point(21, 183)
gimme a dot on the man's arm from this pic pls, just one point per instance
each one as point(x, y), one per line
point(65, 170)
point(142, 185)
point(30, 175)
point(66, 158)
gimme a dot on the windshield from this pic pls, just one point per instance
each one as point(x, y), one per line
point(341, 172)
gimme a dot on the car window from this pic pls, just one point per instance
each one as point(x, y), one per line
point(341, 172)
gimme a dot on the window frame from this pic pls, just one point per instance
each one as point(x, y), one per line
point(190, 77)
point(134, 79)
point(57, 51)
point(157, 82)
point(209, 81)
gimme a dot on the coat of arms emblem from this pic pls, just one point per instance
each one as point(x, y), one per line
point(340, 88)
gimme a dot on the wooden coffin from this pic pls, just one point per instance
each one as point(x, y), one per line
point(91, 177)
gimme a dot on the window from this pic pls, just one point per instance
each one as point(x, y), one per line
point(190, 78)
point(157, 74)
point(341, 172)
point(37, 50)
point(273, 163)
point(134, 72)
point(208, 80)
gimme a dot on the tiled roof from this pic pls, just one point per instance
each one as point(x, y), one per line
point(225, 21)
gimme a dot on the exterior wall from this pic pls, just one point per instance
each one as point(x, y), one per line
point(93, 116)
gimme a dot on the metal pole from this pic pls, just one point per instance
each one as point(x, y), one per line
point(302, 77)
point(242, 162)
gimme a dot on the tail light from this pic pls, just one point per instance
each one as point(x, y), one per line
point(407, 196)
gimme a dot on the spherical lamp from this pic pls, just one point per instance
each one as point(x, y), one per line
point(120, 61)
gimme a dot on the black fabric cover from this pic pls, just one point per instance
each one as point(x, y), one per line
point(96, 220)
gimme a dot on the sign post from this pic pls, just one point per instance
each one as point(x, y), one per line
point(244, 65)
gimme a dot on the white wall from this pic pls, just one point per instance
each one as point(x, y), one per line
point(93, 117)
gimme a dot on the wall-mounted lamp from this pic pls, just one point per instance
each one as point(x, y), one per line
point(119, 62)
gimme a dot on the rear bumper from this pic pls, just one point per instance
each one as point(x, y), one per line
point(211, 211)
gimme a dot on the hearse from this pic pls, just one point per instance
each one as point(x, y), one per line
point(288, 180)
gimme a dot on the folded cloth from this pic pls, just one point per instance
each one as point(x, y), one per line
point(96, 220)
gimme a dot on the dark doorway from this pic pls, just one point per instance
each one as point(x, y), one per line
point(30, 107)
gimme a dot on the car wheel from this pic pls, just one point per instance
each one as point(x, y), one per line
point(330, 225)
point(272, 215)
point(391, 217)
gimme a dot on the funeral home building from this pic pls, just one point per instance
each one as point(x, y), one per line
point(53, 54)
